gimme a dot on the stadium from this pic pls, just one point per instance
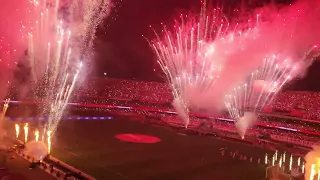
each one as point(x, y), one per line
point(226, 90)
point(137, 135)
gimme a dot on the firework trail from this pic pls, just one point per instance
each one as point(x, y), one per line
point(260, 88)
point(36, 134)
point(248, 100)
point(279, 34)
point(49, 54)
point(60, 37)
point(4, 109)
point(17, 129)
point(2, 119)
point(287, 32)
point(192, 55)
point(87, 15)
point(50, 40)
point(26, 132)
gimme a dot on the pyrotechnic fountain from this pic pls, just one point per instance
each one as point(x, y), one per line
point(280, 162)
point(4, 109)
point(2, 119)
point(247, 101)
point(299, 161)
point(266, 159)
point(17, 129)
point(58, 44)
point(55, 69)
point(312, 165)
point(26, 131)
point(278, 166)
point(49, 141)
point(192, 55)
point(36, 134)
point(290, 163)
point(50, 41)
point(204, 49)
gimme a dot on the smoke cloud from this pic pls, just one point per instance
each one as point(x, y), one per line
point(288, 32)
point(12, 45)
point(18, 18)
point(177, 105)
point(312, 158)
point(37, 150)
point(245, 123)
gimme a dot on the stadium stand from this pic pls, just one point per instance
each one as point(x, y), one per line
point(299, 104)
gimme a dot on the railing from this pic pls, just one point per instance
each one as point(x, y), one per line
point(54, 167)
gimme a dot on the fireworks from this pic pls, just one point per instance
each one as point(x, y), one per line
point(312, 165)
point(60, 36)
point(273, 160)
point(247, 101)
point(192, 55)
point(290, 163)
point(280, 161)
point(4, 109)
point(266, 158)
point(61, 100)
point(87, 15)
point(261, 88)
point(49, 141)
point(17, 129)
point(203, 50)
point(50, 58)
point(277, 52)
point(36, 134)
point(313, 172)
point(26, 130)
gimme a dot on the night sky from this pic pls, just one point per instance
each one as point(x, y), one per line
point(122, 52)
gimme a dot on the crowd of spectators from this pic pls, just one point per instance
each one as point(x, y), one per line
point(300, 103)
point(157, 96)
point(203, 125)
point(292, 103)
point(151, 92)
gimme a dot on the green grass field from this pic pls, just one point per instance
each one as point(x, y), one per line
point(91, 147)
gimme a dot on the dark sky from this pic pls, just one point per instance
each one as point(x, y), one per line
point(122, 52)
point(121, 49)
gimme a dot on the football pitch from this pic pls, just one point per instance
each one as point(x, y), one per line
point(92, 146)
